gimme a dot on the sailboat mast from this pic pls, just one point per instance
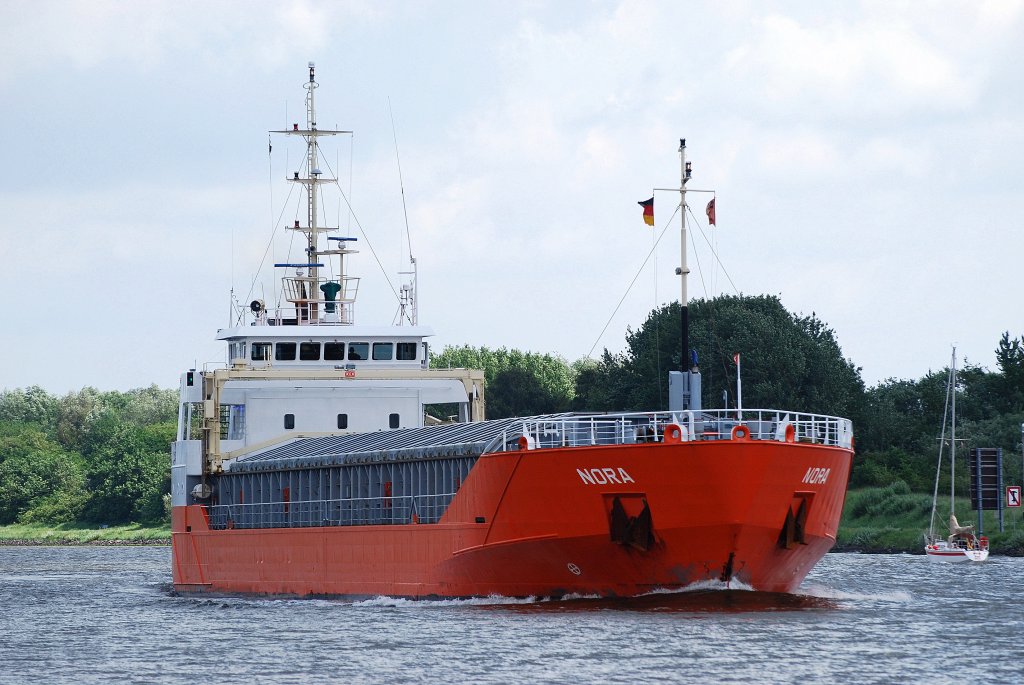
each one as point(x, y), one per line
point(952, 447)
point(942, 445)
point(684, 176)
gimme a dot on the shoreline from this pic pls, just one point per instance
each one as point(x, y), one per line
point(70, 542)
point(166, 542)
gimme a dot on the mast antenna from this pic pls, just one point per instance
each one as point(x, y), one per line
point(408, 307)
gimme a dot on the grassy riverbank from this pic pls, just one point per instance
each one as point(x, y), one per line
point(82, 534)
point(894, 519)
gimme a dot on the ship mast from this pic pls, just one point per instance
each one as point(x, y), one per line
point(313, 173)
point(684, 176)
point(309, 292)
point(684, 385)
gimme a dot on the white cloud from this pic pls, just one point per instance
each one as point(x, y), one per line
point(883, 64)
point(849, 145)
point(159, 34)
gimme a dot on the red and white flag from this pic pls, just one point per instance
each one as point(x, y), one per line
point(710, 211)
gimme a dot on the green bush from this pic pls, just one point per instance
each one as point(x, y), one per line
point(34, 469)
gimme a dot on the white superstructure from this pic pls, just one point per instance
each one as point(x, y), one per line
point(304, 368)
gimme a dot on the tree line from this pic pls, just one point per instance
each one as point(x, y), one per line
point(89, 456)
point(103, 457)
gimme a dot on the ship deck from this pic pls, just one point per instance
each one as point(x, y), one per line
point(407, 444)
point(472, 439)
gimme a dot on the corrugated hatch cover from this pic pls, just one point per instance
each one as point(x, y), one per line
point(406, 444)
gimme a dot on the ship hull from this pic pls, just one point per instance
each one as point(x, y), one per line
point(542, 523)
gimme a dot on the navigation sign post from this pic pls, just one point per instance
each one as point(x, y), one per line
point(986, 465)
point(1013, 496)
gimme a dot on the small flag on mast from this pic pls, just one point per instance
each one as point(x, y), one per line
point(711, 212)
point(648, 206)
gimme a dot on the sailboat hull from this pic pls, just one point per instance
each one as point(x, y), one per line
point(957, 555)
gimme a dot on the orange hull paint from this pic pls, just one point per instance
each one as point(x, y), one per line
point(717, 508)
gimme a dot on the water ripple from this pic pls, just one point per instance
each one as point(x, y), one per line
point(100, 615)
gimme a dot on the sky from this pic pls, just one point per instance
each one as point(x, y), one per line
point(866, 159)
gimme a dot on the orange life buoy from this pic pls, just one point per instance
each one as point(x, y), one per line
point(674, 433)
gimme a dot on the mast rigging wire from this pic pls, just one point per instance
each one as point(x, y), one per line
point(405, 211)
point(632, 283)
point(401, 183)
point(700, 270)
point(359, 225)
point(714, 252)
point(270, 243)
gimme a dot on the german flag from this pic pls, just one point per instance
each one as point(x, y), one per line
point(648, 206)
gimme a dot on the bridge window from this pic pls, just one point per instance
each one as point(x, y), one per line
point(393, 420)
point(342, 421)
point(309, 351)
point(334, 351)
point(236, 350)
point(232, 421)
point(193, 426)
point(358, 351)
point(405, 351)
point(289, 421)
point(382, 351)
point(284, 351)
point(261, 351)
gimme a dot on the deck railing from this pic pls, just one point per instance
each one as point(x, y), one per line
point(353, 511)
point(579, 430)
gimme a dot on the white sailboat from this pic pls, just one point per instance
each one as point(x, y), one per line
point(962, 544)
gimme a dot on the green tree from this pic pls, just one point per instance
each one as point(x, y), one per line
point(789, 362)
point(34, 474)
point(126, 481)
point(601, 385)
point(33, 405)
point(145, 406)
point(518, 383)
point(905, 417)
point(1010, 359)
point(76, 414)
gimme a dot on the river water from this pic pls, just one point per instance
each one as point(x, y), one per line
point(107, 614)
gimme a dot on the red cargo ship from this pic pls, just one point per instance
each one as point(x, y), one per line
point(306, 466)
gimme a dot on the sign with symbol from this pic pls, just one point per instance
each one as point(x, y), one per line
point(350, 374)
point(1013, 496)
